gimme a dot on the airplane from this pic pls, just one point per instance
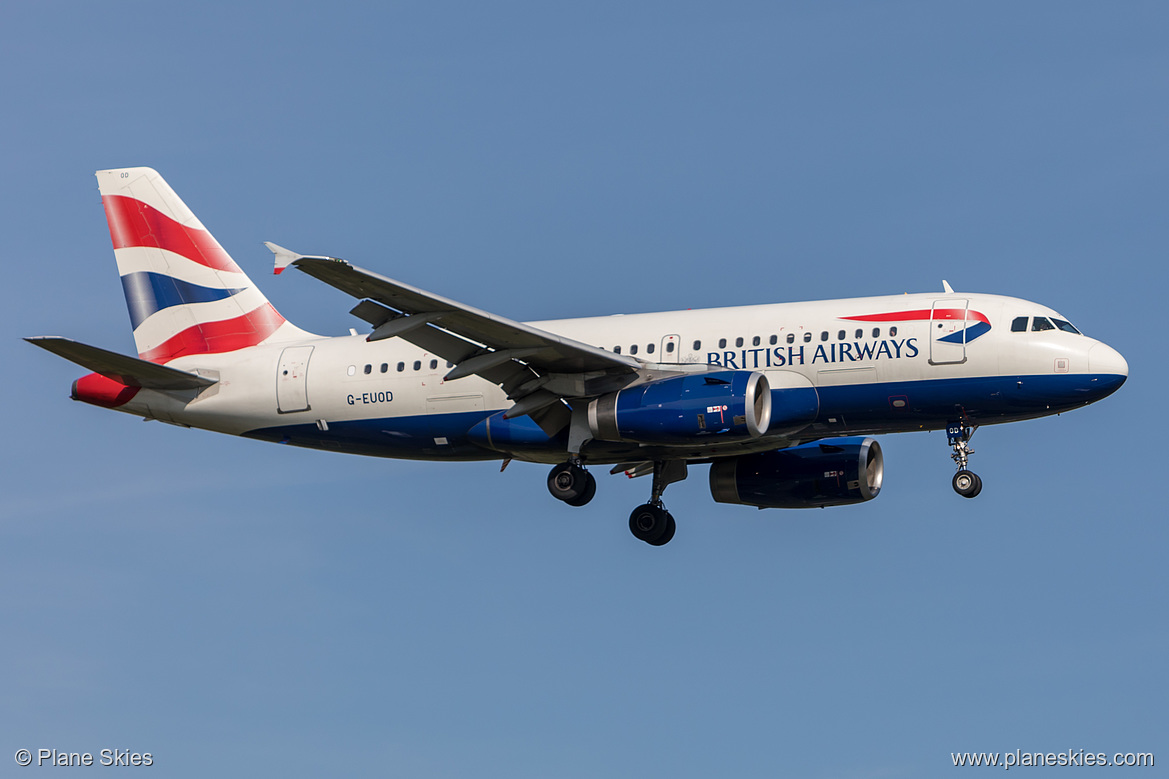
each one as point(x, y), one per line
point(780, 400)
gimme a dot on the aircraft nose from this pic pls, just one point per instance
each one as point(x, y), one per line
point(1102, 358)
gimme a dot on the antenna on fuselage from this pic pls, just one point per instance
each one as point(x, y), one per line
point(947, 288)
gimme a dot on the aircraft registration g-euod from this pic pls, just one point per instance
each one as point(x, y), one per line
point(776, 399)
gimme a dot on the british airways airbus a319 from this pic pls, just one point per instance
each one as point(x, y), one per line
point(777, 399)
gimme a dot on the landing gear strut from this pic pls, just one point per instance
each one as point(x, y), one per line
point(650, 522)
point(966, 483)
point(571, 483)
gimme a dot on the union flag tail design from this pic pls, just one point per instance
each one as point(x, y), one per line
point(185, 293)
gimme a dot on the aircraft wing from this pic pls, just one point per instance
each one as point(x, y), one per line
point(130, 371)
point(542, 349)
point(535, 367)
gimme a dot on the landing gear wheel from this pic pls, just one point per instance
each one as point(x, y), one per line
point(967, 484)
point(651, 524)
point(569, 482)
point(589, 491)
point(666, 536)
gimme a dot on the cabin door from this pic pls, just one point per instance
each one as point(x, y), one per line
point(292, 379)
point(948, 332)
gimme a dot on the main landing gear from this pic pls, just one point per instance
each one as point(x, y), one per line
point(966, 483)
point(571, 483)
point(649, 522)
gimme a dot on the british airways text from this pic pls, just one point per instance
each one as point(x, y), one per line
point(804, 354)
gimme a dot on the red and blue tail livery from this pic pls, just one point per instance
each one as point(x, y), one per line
point(185, 294)
point(781, 401)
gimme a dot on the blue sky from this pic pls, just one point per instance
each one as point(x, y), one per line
point(241, 608)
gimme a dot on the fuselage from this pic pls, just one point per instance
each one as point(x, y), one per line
point(836, 368)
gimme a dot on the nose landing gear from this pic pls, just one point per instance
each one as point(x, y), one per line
point(966, 483)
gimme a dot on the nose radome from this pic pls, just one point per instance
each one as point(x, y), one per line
point(1102, 358)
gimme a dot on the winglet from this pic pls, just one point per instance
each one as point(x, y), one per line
point(945, 286)
point(284, 258)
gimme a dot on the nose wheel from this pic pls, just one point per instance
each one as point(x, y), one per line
point(966, 483)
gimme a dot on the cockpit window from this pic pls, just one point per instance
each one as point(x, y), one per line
point(1040, 324)
point(1019, 324)
point(1066, 326)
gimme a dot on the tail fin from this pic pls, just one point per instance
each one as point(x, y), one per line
point(186, 295)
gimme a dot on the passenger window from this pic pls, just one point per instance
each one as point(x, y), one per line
point(670, 347)
point(352, 370)
point(876, 332)
point(649, 348)
point(722, 343)
point(401, 367)
point(1019, 324)
point(418, 365)
point(791, 338)
point(616, 350)
point(385, 367)
point(755, 341)
point(1040, 323)
point(738, 341)
point(823, 335)
point(774, 340)
point(450, 365)
point(368, 369)
point(433, 364)
point(807, 338)
point(859, 333)
point(840, 336)
point(633, 349)
point(1066, 326)
point(697, 345)
point(892, 332)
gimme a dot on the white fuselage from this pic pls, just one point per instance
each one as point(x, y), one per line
point(880, 364)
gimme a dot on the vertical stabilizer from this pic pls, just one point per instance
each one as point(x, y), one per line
point(185, 293)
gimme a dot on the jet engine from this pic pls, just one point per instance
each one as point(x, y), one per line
point(727, 405)
point(835, 473)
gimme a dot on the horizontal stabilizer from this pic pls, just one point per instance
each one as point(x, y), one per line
point(130, 371)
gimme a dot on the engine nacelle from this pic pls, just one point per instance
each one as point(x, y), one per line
point(724, 405)
point(825, 473)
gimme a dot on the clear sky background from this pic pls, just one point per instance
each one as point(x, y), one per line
point(239, 608)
